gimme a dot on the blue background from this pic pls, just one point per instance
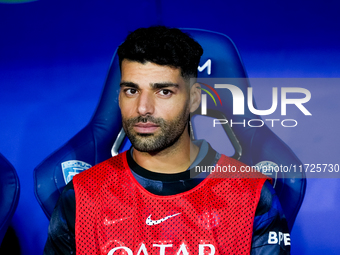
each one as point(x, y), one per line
point(54, 56)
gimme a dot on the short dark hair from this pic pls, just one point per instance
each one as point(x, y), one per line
point(163, 46)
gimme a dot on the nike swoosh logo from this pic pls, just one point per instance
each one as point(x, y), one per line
point(151, 222)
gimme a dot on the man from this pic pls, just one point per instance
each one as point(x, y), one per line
point(144, 201)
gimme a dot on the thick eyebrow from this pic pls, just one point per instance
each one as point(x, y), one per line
point(157, 85)
point(129, 84)
point(164, 85)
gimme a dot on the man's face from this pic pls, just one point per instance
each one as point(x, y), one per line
point(154, 102)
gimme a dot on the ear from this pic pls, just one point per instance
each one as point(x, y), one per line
point(195, 97)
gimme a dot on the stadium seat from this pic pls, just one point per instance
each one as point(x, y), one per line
point(103, 136)
point(9, 194)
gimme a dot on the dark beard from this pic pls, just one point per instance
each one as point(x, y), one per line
point(170, 132)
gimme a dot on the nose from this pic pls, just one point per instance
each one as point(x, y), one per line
point(145, 104)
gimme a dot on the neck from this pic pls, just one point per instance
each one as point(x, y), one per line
point(174, 159)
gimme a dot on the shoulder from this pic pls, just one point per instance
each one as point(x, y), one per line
point(231, 168)
point(103, 168)
point(228, 160)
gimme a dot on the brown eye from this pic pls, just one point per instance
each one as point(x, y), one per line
point(165, 92)
point(130, 91)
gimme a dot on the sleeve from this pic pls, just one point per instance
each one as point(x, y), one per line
point(270, 230)
point(61, 230)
